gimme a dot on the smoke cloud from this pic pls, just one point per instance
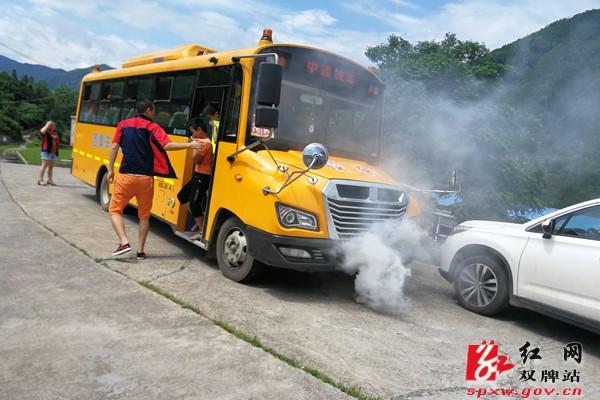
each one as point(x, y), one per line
point(379, 258)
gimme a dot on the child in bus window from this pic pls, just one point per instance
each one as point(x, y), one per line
point(194, 192)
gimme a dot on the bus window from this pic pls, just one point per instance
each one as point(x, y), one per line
point(162, 101)
point(172, 98)
point(95, 91)
point(117, 90)
point(232, 114)
point(163, 88)
point(135, 88)
point(138, 88)
point(109, 107)
point(181, 98)
point(89, 104)
point(116, 100)
point(106, 91)
point(183, 88)
point(214, 76)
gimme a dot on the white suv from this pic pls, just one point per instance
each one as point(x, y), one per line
point(550, 264)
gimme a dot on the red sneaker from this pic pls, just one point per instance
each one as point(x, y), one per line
point(122, 249)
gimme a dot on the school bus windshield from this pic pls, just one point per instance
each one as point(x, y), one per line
point(328, 100)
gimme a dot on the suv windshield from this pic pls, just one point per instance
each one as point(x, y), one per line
point(325, 99)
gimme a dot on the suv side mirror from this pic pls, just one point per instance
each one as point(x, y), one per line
point(268, 91)
point(548, 228)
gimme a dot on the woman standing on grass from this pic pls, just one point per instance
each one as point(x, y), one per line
point(50, 145)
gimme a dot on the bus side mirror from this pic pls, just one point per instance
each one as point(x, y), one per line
point(315, 156)
point(268, 91)
point(266, 117)
point(548, 228)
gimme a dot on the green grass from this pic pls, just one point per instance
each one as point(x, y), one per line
point(6, 146)
point(350, 390)
point(32, 154)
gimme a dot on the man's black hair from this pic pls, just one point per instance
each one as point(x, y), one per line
point(210, 109)
point(200, 122)
point(143, 104)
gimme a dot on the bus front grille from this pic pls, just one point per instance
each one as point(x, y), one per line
point(350, 217)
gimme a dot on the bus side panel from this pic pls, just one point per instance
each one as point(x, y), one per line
point(91, 147)
point(166, 205)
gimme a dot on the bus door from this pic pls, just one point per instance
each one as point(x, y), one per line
point(222, 184)
point(212, 88)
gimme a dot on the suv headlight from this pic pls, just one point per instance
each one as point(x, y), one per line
point(290, 217)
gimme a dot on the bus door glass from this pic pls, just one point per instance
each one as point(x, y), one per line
point(229, 110)
point(211, 89)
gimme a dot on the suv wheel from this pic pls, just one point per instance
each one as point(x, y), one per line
point(481, 284)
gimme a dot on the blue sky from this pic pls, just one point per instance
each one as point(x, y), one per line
point(78, 33)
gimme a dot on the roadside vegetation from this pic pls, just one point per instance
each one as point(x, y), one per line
point(25, 106)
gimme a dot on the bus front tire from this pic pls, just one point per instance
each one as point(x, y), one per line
point(233, 257)
point(103, 192)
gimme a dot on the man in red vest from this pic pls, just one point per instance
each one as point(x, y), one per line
point(143, 143)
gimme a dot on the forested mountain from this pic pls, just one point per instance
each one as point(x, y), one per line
point(54, 77)
point(554, 74)
point(545, 63)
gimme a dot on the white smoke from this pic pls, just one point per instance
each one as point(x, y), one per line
point(379, 258)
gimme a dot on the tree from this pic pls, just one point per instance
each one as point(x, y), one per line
point(444, 111)
point(63, 105)
point(25, 105)
point(446, 66)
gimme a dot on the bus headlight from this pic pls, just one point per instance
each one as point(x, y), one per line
point(290, 217)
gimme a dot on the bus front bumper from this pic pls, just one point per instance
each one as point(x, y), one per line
point(301, 254)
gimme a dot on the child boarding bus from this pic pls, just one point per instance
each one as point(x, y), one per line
point(295, 166)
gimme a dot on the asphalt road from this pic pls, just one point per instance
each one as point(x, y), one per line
point(311, 317)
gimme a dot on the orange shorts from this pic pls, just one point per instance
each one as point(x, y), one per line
point(129, 186)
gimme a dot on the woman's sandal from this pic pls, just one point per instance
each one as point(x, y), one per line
point(51, 183)
point(41, 183)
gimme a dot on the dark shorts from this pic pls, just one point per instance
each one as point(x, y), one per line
point(194, 192)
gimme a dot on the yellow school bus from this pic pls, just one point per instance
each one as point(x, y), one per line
point(295, 170)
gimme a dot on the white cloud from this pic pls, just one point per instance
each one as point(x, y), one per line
point(404, 19)
point(499, 23)
point(308, 20)
point(76, 7)
point(407, 4)
point(493, 22)
point(60, 43)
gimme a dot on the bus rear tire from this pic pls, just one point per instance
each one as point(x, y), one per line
point(103, 192)
point(233, 257)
